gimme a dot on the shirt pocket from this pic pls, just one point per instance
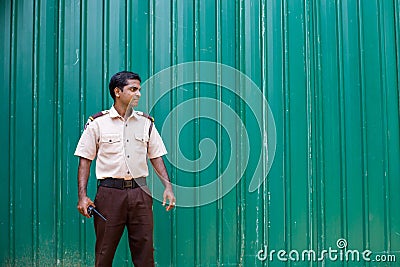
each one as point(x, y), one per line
point(144, 138)
point(141, 143)
point(110, 143)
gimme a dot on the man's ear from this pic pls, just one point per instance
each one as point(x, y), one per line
point(117, 91)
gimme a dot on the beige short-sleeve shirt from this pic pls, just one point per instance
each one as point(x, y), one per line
point(121, 147)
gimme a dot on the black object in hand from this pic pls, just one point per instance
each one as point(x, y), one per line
point(91, 209)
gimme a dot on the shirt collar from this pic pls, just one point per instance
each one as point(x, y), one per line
point(134, 114)
point(114, 113)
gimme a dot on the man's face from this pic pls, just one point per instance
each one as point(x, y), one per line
point(130, 94)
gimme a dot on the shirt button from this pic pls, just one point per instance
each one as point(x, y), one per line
point(128, 172)
point(127, 140)
point(127, 156)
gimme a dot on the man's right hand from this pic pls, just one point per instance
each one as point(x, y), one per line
point(83, 205)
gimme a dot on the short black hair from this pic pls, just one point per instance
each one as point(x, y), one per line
point(119, 80)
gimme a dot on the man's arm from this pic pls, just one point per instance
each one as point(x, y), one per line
point(83, 175)
point(159, 167)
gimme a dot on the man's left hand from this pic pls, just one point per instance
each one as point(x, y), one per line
point(169, 195)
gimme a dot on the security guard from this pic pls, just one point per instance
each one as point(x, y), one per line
point(121, 138)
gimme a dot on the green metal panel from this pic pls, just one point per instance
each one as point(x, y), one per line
point(330, 73)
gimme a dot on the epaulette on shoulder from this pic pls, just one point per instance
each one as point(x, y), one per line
point(147, 116)
point(95, 116)
point(98, 114)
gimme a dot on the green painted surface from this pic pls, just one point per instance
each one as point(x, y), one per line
point(330, 72)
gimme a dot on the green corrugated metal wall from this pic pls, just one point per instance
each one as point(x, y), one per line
point(329, 70)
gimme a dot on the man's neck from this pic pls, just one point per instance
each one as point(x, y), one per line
point(123, 111)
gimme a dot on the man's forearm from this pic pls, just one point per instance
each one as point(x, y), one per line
point(161, 171)
point(83, 176)
point(159, 167)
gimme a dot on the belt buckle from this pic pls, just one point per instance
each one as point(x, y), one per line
point(128, 184)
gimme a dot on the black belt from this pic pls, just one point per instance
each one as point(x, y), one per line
point(121, 183)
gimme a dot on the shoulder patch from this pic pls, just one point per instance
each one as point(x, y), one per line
point(95, 116)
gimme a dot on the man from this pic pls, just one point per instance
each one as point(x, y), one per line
point(122, 139)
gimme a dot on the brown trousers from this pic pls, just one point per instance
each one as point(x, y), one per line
point(127, 207)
